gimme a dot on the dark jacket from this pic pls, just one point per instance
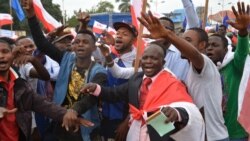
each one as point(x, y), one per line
point(26, 100)
point(129, 92)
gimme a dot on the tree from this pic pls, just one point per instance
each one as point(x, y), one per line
point(103, 6)
point(125, 5)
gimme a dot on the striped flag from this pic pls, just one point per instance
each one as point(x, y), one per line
point(111, 31)
point(5, 19)
point(47, 20)
point(99, 27)
point(244, 98)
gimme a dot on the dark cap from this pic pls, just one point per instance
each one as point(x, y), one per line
point(130, 27)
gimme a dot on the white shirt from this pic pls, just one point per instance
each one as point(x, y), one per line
point(206, 91)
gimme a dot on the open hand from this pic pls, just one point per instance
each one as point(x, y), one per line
point(242, 20)
point(154, 26)
point(71, 120)
point(4, 111)
point(22, 60)
point(57, 32)
point(104, 49)
point(107, 38)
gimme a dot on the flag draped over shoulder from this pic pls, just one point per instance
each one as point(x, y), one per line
point(5, 19)
point(18, 9)
point(47, 20)
point(173, 91)
point(244, 98)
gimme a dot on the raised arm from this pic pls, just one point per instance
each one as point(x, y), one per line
point(241, 23)
point(41, 42)
point(191, 14)
point(157, 31)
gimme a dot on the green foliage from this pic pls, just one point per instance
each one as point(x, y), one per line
point(103, 6)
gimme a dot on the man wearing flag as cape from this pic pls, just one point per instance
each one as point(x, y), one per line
point(164, 90)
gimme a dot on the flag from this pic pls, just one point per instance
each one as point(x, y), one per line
point(5, 19)
point(18, 9)
point(225, 19)
point(135, 10)
point(184, 23)
point(244, 98)
point(111, 31)
point(99, 27)
point(47, 20)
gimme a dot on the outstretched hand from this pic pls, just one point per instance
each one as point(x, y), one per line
point(72, 121)
point(154, 26)
point(107, 38)
point(4, 111)
point(89, 88)
point(242, 20)
point(57, 32)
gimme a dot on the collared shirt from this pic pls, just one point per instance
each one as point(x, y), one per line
point(175, 63)
point(9, 128)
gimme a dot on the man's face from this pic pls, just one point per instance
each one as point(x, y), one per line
point(28, 44)
point(216, 50)
point(124, 40)
point(222, 31)
point(63, 44)
point(152, 60)
point(193, 38)
point(6, 57)
point(84, 45)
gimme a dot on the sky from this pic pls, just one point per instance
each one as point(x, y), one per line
point(162, 6)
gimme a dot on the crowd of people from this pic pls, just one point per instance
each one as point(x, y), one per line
point(60, 87)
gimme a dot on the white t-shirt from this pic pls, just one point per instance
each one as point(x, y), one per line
point(206, 91)
point(24, 71)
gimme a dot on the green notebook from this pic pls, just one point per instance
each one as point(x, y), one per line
point(157, 121)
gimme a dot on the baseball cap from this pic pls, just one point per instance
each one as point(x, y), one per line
point(130, 27)
point(59, 38)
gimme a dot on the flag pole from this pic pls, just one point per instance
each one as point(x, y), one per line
point(139, 40)
point(205, 15)
point(11, 26)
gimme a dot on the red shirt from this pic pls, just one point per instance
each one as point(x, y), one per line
point(9, 128)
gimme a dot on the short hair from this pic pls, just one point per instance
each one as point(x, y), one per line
point(222, 25)
point(223, 38)
point(5, 42)
point(169, 20)
point(87, 32)
point(202, 34)
point(21, 37)
point(8, 40)
point(160, 45)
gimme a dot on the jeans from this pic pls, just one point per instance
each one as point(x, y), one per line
point(226, 139)
point(242, 139)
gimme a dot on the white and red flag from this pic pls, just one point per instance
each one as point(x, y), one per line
point(244, 98)
point(111, 31)
point(47, 20)
point(5, 19)
point(99, 27)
